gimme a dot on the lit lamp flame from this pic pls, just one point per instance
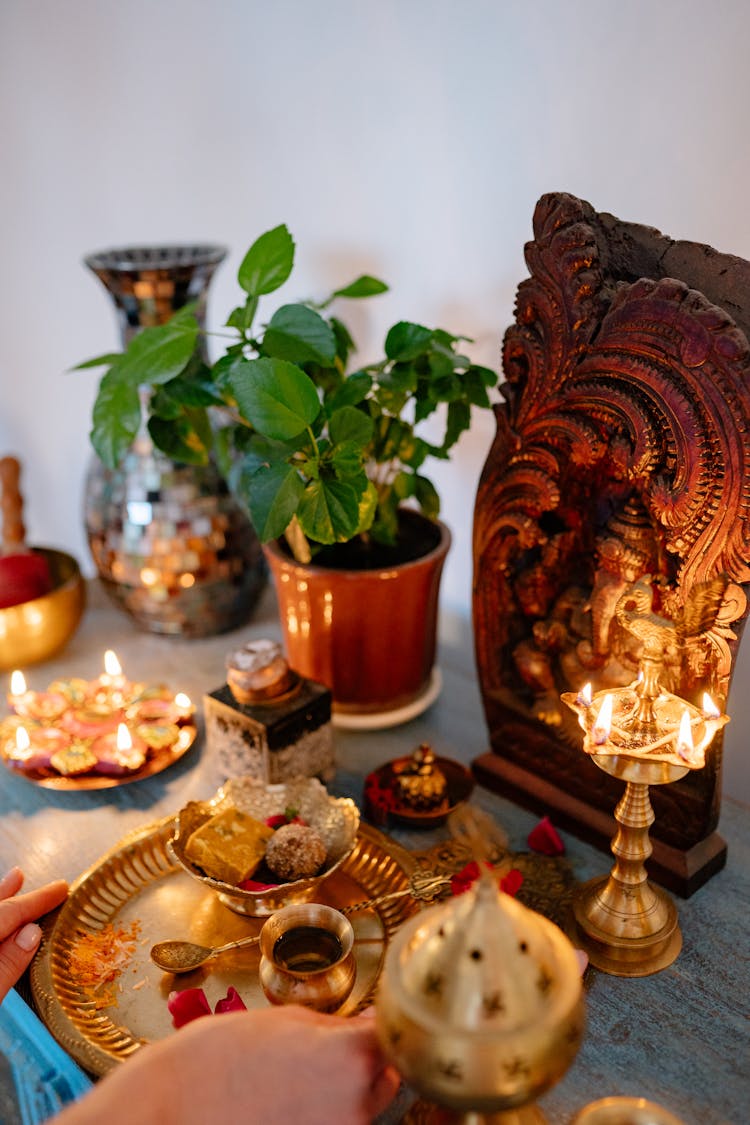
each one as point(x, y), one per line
point(23, 743)
point(685, 746)
point(17, 683)
point(603, 722)
point(710, 710)
point(125, 752)
point(112, 665)
point(124, 741)
point(183, 701)
point(585, 695)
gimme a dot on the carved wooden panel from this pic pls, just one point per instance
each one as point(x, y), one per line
point(622, 451)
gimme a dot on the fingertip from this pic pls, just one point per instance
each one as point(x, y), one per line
point(11, 881)
point(28, 937)
point(384, 1089)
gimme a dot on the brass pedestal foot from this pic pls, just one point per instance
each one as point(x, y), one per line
point(612, 949)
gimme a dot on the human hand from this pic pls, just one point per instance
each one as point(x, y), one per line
point(271, 1064)
point(19, 934)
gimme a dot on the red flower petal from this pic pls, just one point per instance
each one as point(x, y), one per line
point(544, 838)
point(232, 1002)
point(186, 1005)
point(512, 882)
point(254, 885)
point(276, 821)
point(464, 878)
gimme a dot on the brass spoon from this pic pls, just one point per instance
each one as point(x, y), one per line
point(184, 956)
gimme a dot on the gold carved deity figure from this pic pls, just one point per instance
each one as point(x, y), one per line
point(578, 635)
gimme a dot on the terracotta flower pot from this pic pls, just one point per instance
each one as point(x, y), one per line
point(368, 634)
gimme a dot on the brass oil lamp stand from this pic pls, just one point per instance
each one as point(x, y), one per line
point(644, 736)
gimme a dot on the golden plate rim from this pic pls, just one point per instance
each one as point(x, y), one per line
point(159, 761)
point(113, 1043)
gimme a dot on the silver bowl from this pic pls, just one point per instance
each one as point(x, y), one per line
point(335, 818)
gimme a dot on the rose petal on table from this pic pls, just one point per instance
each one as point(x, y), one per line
point(186, 1005)
point(544, 838)
point(232, 1002)
point(512, 882)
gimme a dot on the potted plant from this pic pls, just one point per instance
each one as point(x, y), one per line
point(328, 460)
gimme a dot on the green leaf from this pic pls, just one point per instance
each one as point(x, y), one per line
point(350, 424)
point(268, 262)
point(242, 317)
point(368, 507)
point(412, 450)
point(447, 388)
point(116, 418)
point(405, 340)
point(300, 335)
point(186, 315)
point(110, 359)
point(162, 406)
point(352, 391)
point(441, 365)
point(179, 440)
point(401, 377)
point(328, 511)
point(364, 286)
point(276, 397)
point(459, 419)
point(158, 354)
point(273, 494)
point(346, 462)
point(403, 485)
point(344, 342)
point(427, 497)
point(195, 386)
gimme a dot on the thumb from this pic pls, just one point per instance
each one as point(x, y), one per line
point(16, 954)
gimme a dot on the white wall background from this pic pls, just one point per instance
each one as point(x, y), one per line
point(405, 138)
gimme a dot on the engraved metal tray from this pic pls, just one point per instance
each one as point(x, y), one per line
point(138, 882)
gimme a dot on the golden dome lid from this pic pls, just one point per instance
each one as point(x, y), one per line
point(483, 962)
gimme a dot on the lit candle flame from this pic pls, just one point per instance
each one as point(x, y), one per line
point(685, 745)
point(124, 741)
point(17, 683)
point(603, 722)
point(585, 695)
point(710, 710)
point(112, 665)
point(183, 701)
point(23, 744)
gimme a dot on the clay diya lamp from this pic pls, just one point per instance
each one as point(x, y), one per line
point(118, 752)
point(41, 706)
point(33, 748)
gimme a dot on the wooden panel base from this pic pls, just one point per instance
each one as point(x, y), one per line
point(682, 872)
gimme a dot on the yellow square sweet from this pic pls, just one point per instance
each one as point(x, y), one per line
point(229, 846)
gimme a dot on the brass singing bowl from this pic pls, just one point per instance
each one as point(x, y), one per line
point(34, 631)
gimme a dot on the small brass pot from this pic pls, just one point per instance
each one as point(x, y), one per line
point(34, 631)
point(324, 989)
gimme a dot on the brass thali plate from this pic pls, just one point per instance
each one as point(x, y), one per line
point(139, 888)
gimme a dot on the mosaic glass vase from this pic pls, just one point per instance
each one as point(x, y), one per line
point(171, 545)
